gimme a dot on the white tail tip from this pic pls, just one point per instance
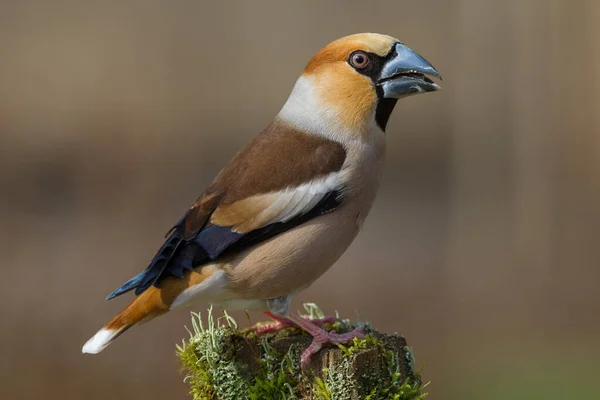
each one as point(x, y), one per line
point(99, 341)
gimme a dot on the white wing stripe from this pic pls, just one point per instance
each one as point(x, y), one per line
point(303, 198)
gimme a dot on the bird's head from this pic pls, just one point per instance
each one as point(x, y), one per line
point(353, 84)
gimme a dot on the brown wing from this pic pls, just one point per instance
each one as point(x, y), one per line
point(281, 179)
point(279, 158)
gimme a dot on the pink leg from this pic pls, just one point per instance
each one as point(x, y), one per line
point(277, 324)
point(282, 322)
point(321, 336)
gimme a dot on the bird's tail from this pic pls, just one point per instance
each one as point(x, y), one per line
point(144, 308)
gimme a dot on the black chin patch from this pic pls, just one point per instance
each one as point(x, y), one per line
point(383, 111)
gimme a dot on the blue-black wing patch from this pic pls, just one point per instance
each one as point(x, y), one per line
point(180, 253)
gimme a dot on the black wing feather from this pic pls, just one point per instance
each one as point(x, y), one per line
point(212, 241)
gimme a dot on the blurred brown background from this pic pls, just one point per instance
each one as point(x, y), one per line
point(483, 247)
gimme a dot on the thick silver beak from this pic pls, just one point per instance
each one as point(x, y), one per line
point(407, 73)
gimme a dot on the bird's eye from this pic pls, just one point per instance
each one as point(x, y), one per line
point(359, 59)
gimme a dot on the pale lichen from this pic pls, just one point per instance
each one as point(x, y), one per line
point(222, 363)
point(278, 376)
point(213, 372)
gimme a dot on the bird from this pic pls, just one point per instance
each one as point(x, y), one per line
point(287, 206)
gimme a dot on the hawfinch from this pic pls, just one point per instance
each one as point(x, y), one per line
point(287, 206)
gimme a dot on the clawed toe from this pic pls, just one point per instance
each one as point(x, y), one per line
point(314, 327)
point(268, 327)
point(280, 323)
point(323, 337)
point(339, 338)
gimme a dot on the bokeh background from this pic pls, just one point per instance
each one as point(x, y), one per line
point(483, 247)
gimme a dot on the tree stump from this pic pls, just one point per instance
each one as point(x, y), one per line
point(224, 363)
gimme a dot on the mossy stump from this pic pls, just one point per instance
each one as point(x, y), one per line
point(224, 363)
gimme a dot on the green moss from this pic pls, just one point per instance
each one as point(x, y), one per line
point(222, 363)
point(278, 376)
point(397, 387)
point(209, 361)
point(339, 382)
point(360, 344)
point(320, 389)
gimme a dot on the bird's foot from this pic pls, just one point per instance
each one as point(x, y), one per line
point(280, 323)
point(271, 327)
point(314, 327)
point(322, 337)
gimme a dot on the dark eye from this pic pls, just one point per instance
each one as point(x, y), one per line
point(359, 59)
